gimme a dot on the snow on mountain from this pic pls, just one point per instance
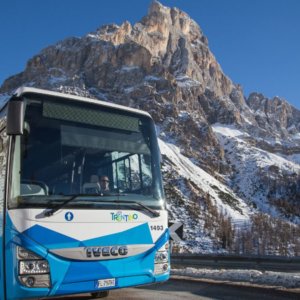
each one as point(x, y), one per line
point(185, 168)
point(248, 160)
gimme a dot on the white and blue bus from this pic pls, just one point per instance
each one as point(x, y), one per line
point(60, 232)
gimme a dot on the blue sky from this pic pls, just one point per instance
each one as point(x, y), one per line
point(256, 42)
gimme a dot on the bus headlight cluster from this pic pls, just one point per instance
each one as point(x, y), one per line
point(33, 269)
point(161, 260)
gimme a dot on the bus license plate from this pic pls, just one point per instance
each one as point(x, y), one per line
point(103, 283)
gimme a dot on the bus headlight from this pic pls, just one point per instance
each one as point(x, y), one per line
point(33, 269)
point(161, 260)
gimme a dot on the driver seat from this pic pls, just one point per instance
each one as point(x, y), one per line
point(92, 187)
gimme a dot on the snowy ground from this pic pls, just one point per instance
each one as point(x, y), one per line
point(266, 278)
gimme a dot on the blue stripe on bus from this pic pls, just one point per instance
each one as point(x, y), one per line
point(52, 239)
point(136, 235)
point(49, 238)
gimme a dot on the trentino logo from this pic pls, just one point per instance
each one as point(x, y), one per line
point(119, 216)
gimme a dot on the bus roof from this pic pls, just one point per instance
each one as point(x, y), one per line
point(30, 90)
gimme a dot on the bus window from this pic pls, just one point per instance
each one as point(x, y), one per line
point(63, 145)
point(132, 172)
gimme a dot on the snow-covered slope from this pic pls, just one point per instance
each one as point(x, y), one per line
point(256, 172)
point(185, 168)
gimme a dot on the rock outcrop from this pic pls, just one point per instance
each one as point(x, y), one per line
point(162, 64)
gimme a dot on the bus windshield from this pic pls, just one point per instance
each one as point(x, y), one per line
point(92, 151)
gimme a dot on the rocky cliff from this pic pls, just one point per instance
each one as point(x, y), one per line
point(161, 64)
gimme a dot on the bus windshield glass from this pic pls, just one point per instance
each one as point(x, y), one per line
point(98, 153)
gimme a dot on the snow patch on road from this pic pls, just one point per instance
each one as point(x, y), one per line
point(268, 278)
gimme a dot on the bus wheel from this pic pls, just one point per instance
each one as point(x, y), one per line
point(102, 294)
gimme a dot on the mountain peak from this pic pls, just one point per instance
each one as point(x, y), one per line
point(157, 7)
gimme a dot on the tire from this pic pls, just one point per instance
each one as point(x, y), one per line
point(102, 294)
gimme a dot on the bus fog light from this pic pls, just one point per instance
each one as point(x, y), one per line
point(161, 257)
point(30, 281)
point(33, 267)
point(33, 281)
point(161, 268)
point(165, 267)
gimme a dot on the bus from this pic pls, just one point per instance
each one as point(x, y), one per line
point(61, 232)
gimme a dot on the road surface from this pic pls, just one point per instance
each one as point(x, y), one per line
point(178, 289)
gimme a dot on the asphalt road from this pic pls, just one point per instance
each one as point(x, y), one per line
point(178, 289)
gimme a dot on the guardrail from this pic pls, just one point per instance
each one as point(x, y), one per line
point(264, 263)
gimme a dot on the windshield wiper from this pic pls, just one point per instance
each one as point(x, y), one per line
point(51, 211)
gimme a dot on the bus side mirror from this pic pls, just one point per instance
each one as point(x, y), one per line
point(15, 117)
